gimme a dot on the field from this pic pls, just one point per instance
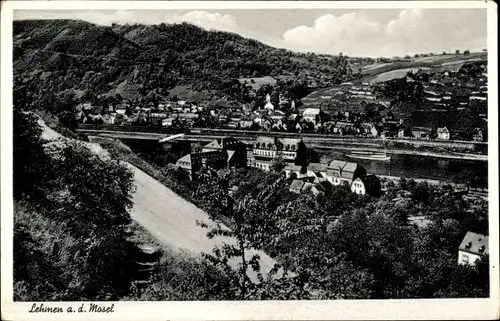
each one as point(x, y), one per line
point(395, 74)
point(431, 62)
point(258, 81)
point(379, 72)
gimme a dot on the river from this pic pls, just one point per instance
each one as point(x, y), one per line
point(410, 166)
point(416, 166)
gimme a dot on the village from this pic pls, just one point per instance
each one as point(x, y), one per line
point(289, 156)
point(355, 108)
point(358, 108)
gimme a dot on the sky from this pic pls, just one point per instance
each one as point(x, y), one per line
point(367, 32)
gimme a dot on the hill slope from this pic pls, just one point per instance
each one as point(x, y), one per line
point(59, 55)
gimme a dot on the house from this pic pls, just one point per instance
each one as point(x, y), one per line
point(236, 150)
point(473, 248)
point(250, 159)
point(299, 186)
point(367, 184)
point(188, 116)
point(193, 162)
point(121, 110)
point(86, 106)
point(421, 132)
point(317, 189)
point(94, 119)
point(295, 170)
point(316, 170)
point(80, 115)
point(156, 118)
point(190, 164)
point(477, 135)
point(269, 106)
point(404, 130)
point(369, 129)
point(312, 115)
point(109, 119)
point(296, 186)
point(358, 186)
point(168, 122)
point(339, 172)
point(443, 133)
point(342, 127)
point(246, 123)
point(292, 150)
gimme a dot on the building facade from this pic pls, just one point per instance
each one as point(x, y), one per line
point(265, 149)
point(473, 248)
point(339, 172)
point(443, 133)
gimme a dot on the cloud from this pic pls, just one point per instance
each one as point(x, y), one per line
point(330, 34)
point(200, 18)
point(211, 20)
point(360, 33)
point(412, 31)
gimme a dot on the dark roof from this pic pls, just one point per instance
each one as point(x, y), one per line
point(422, 129)
point(283, 143)
point(223, 143)
point(307, 186)
point(473, 243)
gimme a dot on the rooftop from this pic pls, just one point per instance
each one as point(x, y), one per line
point(297, 184)
point(475, 243)
point(186, 158)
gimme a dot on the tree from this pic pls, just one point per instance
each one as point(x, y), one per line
point(196, 148)
point(278, 164)
point(30, 161)
point(457, 51)
point(420, 192)
point(467, 52)
point(245, 228)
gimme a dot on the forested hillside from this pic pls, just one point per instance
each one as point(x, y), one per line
point(134, 60)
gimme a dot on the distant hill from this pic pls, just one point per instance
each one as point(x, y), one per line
point(135, 60)
point(381, 72)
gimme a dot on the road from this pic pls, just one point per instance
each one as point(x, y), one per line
point(167, 216)
point(172, 220)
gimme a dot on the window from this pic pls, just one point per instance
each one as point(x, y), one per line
point(465, 258)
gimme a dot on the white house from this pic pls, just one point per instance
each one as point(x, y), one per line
point(473, 247)
point(358, 186)
point(311, 115)
point(443, 133)
point(167, 122)
point(477, 135)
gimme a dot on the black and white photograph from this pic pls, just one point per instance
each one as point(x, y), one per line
point(248, 154)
